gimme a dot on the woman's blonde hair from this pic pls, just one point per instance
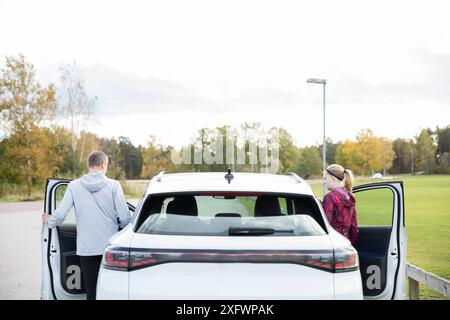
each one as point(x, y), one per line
point(341, 173)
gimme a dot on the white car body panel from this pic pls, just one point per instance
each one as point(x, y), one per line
point(231, 281)
point(214, 181)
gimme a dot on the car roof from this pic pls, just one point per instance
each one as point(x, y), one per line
point(215, 181)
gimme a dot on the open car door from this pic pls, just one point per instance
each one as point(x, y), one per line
point(61, 271)
point(381, 243)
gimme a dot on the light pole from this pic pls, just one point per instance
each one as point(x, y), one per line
point(324, 148)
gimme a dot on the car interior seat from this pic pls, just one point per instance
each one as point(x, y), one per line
point(267, 206)
point(183, 206)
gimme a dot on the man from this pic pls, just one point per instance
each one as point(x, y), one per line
point(100, 208)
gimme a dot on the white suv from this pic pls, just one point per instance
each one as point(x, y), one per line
point(232, 236)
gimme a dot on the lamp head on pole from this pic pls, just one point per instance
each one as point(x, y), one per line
point(314, 80)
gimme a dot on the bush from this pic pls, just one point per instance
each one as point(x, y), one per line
point(441, 169)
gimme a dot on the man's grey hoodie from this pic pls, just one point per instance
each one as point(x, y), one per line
point(98, 202)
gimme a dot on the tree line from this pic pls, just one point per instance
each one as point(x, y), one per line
point(43, 135)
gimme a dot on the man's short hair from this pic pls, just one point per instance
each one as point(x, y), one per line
point(97, 158)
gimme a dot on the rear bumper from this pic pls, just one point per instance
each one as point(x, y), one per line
point(348, 286)
point(112, 285)
point(241, 281)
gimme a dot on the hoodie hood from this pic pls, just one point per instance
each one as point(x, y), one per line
point(343, 197)
point(94, 181)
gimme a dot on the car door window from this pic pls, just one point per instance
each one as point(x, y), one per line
point(59, 194)
point(374, 207)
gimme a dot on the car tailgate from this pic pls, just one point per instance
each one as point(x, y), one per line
point(236, 275)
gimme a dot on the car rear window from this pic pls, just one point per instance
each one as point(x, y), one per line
point(230, 214)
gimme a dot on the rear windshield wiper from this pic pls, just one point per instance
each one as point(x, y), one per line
point(232, 231)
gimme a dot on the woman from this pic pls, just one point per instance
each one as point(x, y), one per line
point(339, 203)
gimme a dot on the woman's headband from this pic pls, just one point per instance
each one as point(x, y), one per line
point(336, 175)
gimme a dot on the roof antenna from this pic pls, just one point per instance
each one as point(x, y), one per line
point(229, 176)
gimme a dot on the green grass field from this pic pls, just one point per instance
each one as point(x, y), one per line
point(427, 215)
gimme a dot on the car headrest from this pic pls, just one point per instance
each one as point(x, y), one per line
point(266, 206)
point(183, 206)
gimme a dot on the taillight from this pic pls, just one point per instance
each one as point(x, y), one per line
point(346, 259)
point(123, 259)
point(116, 258)
point(321, 261)
point(142, 259)
point(317, 259)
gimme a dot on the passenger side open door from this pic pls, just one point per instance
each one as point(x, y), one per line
point(381, 243)
point(61, 271)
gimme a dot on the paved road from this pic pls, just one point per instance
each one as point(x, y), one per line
point(20, 255)
point(20, 267)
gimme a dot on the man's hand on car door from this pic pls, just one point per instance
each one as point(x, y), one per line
point(44, 217)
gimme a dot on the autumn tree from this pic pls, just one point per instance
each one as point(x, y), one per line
point(131, 161)
point(211, 144)
point(367, 151)
point(348, 155)
point(443, 148)
point(4, 169)
point(376, 153)
point(24, 104)
point(70, 166)
point(404, 155)
point(31, 164)
point(85, 144)
point(155, 158)
point(112, 149)
point(366, 155)
point(385, 154)
point(75, 107)
point(425, 151)
point(250, 136)
point(310, 162)
point(289, 153)
point(331, 149)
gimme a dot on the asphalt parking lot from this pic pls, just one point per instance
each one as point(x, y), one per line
point(20, 263)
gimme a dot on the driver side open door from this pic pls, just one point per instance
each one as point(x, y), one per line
point(61, 277)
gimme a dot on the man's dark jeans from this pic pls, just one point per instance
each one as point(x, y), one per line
point(90, 266)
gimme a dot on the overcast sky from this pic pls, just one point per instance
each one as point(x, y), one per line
point(168, 68)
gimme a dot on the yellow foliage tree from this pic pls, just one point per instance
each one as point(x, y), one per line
point(86, 143)
point(154, 159)
point(32, 156)
point(348, 156)
point(24, 104)
point(366, 155)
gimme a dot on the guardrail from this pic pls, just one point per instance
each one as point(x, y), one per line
point(417, 275)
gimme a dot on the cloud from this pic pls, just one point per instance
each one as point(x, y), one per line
point(120, 92)
point(170, 66)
